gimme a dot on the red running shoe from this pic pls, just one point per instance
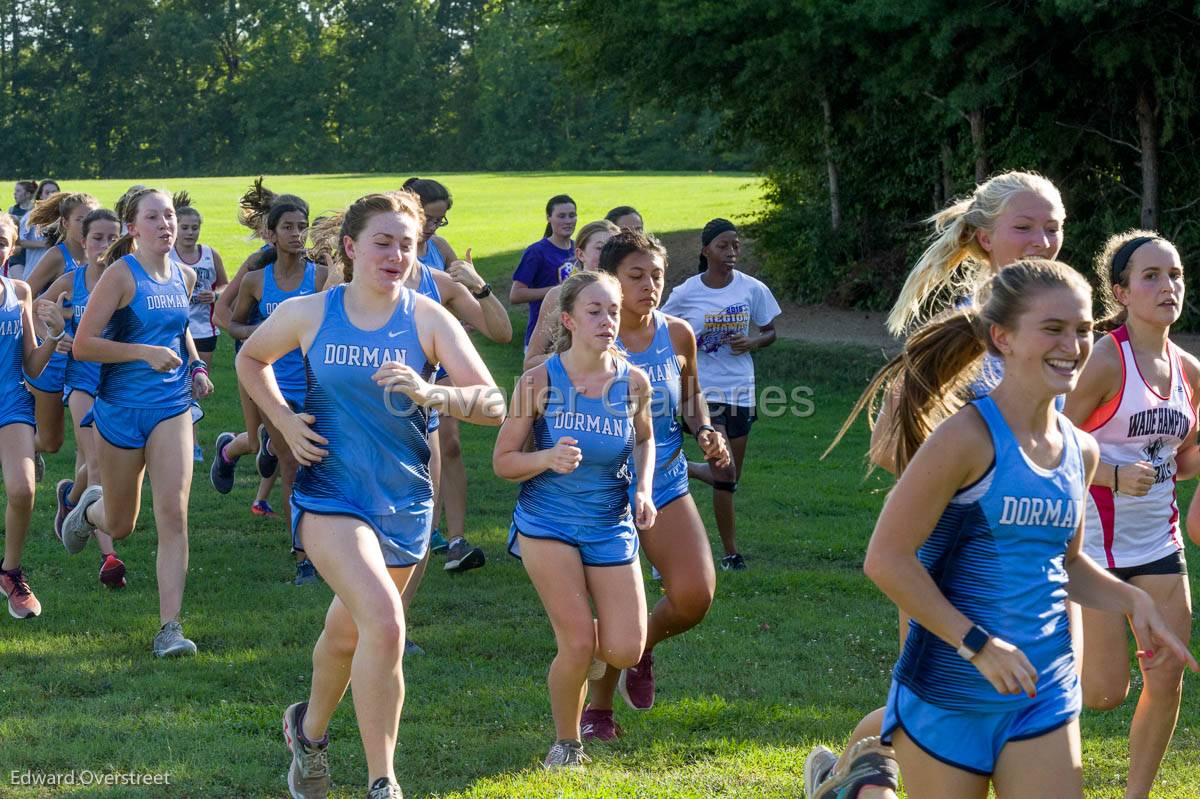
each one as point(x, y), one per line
point(261, 507)
point(112, 571)
point(598, 725)
point(22, 604)
point(637, 684)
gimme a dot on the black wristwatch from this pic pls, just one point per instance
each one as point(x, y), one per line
point(704, 427)
point(483, 292)
point(973, 642)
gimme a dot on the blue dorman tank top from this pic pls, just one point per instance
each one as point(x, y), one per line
point(661, 365)
point(289, 370)
point(80, 373)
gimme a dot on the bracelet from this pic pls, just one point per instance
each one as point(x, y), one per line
point(1116, 479)
point(197, 366)
point(61, 334)
point(704, 427)
point(484, 292)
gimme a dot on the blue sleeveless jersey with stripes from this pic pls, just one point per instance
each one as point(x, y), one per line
point(661, 365)
point(289, 370)
point(378, 461)
point(83, 375)
point(598, 489)
point(158, 316)
point(997, 553)
point(16, 404)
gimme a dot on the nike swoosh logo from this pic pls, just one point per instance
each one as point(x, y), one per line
point(395, 333)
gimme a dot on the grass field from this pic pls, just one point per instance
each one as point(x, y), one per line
point(794, 651)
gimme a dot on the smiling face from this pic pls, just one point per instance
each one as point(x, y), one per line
point(641, 275)
point(154, 226)
point(1048, 346)
point(1153, 290)
point(384, 251)
point(1030, 226)
point(562, 219)
point(290, 233)
point(100, 236)
point(595, 317)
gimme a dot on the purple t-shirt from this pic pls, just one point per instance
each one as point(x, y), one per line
point(543, 265)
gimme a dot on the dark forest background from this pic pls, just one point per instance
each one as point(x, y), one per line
point(863, 116)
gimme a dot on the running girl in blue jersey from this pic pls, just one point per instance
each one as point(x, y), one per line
point(1011, 216)
point(19, 353)
point(664, 347)
point(60, 218)
point(588, 411)
point(68, 298)
point(981, 542)
point(230, 446)
point(291, 274)
point(363, 497)
point(135, 326)
point(433, 251)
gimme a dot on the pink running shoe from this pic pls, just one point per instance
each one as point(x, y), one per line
point(637, 684)
point(112, 571)
point(599, 725)
point(22, 604)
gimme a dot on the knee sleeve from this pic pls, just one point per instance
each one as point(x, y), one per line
point(725, 485)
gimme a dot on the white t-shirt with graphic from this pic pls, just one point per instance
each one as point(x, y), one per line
point(718, 315)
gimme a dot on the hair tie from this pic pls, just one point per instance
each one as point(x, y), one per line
point(1121, 258)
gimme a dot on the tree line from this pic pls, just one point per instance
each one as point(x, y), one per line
point(126, 88)
point(867, 115)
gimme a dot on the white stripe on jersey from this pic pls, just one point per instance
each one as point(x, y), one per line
point(200, 317)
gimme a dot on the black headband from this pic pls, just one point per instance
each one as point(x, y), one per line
point(1121, 257)
point(715, 228)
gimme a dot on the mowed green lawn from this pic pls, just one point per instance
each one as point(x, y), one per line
point(794, 651)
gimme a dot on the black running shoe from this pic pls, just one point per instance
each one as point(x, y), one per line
point(734, 562)
point(266, 461)
point(221, 473)
point(462, 557)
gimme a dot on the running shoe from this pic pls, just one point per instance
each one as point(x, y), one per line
point(383, 788)
point(112, 571)
point(260, 507)
point(170, 641)
point(637, 684)
point(599, 725)
point(411, 647)
point(734, 562)
point(222, 471)
point(76, 529)
point(39, 467)
point(462, 557)
point(817, 768)
point(565, 754)
point(197, 453)
point(266, 461)
point(61, 492)
point(866, 762)
point(22, 604)
point(306, 573)
point(437, 541)
point(308, 776)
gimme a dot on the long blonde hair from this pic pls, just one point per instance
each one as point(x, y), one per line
point(940, 359)
point(953, 244)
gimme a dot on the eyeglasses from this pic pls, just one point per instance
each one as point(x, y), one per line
point(437, 221)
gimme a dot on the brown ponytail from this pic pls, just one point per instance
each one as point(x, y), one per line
point(129, 208)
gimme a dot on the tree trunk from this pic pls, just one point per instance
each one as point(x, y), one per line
point(975, 118)
point(1148, 132)
point(835, 199)
point(947, 174)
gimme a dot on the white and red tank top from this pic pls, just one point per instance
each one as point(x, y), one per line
point(1138, 424)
